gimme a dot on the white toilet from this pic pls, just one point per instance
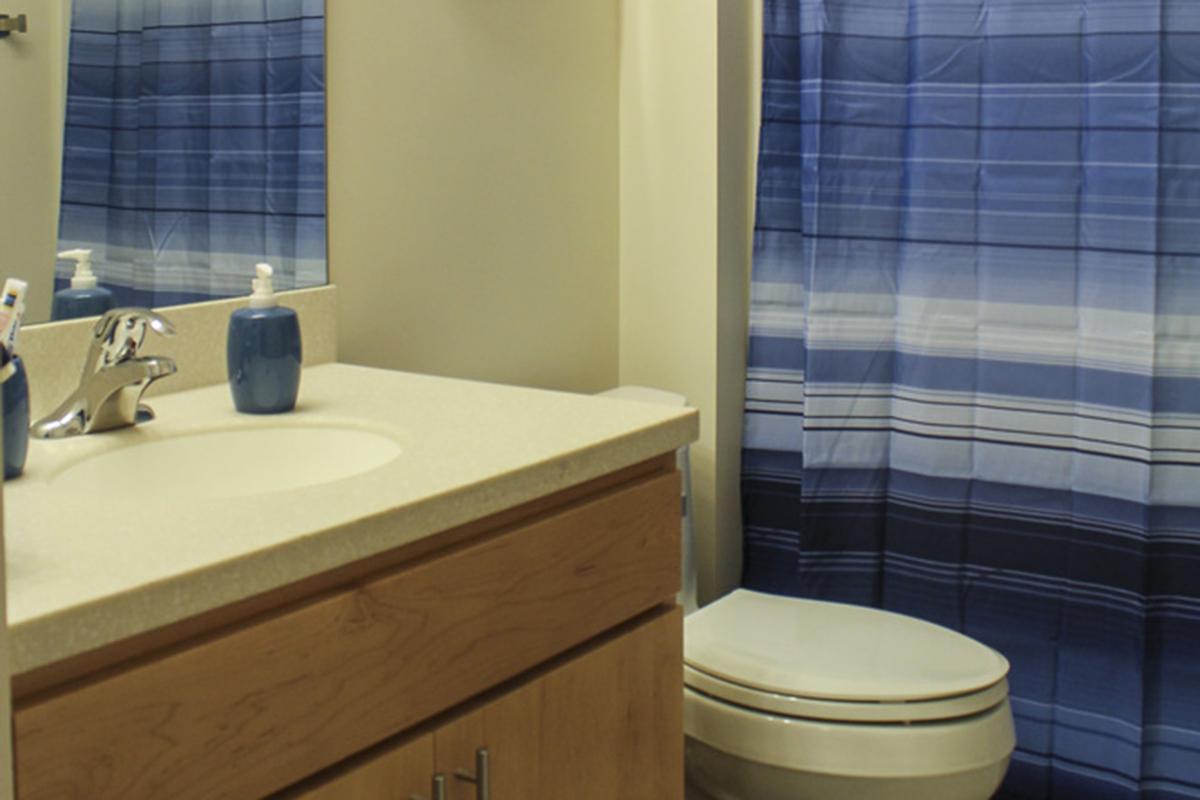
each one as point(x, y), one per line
point(791, 699)
point(788, 699)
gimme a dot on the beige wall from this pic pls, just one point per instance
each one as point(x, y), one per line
point(32, 95)
point(687, 81)
point(473, 187)
point(478, 228)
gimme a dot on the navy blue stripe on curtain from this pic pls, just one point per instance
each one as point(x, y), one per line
point(195, 145)
point(973, 391)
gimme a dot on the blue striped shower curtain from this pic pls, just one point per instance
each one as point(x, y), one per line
point(195, 145)
point(974, 382)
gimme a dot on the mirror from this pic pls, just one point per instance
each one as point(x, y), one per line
point(193, 147)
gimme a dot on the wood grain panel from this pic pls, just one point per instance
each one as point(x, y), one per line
point(264, 705)
point(607, 724)
point(398, 774)
point(623, 741)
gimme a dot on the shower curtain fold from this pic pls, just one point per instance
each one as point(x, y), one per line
point(973, 391)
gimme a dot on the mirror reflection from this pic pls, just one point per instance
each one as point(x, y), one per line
point(193, 147)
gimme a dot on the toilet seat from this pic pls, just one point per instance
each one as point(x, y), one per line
point(815, 660)
point(947, 708)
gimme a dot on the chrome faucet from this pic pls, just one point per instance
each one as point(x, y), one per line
point(114, 377)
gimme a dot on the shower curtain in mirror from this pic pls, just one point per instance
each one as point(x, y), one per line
point(195, 145)
point(974, 382)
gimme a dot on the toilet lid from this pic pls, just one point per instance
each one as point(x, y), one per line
point(834, 651)
point(938, 709)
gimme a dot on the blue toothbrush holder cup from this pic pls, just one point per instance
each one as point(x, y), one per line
point(14, 390)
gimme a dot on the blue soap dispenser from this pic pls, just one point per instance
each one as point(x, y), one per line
point(84, 298)
point(263, 351)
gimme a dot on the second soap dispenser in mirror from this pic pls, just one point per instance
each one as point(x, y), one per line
point(85, 298)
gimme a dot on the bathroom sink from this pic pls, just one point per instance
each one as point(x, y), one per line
point(229, 462)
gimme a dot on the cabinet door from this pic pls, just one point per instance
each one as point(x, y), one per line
point(397, 773)
point(606, 724)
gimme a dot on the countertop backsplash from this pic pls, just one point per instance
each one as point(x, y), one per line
point(53, 352)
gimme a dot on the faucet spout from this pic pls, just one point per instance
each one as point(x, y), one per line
point(114, 378)
point(111, 399)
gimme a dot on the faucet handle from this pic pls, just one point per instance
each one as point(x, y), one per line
point(120, 333)
point(127, 317)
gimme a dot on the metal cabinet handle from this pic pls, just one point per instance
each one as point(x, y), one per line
point(438, 791)
point(481, 777)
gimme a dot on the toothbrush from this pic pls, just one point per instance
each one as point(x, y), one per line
point(12, 307)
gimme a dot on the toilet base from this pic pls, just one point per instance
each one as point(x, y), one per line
point(714, 775)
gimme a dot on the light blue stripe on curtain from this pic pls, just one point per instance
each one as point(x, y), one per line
point(195, 145)
point(974, 375)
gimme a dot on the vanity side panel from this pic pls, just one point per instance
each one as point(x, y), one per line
point(260, 707)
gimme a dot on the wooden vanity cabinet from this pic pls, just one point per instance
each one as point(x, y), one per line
point(599, 726)
point(546, 633)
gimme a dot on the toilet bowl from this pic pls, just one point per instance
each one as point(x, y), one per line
point(793, 699)
point(790, 699)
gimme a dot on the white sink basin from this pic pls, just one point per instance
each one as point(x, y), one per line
point(229, 462)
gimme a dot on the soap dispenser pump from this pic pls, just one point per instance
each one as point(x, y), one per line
point(263, 351)
point(84, 298)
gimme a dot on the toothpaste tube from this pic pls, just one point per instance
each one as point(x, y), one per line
point(12, 308)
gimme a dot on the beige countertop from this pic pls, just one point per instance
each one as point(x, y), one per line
point(84, 573)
